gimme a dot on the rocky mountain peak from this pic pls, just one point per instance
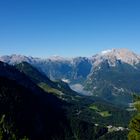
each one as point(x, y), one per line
point(113, 55)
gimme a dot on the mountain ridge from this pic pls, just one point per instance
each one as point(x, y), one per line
point(122, 54)
point(117, 70)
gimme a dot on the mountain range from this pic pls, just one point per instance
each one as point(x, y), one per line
point(113, 75)
point(33, 107)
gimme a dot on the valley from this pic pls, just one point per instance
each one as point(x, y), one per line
point(70, 99)
point(117, 70)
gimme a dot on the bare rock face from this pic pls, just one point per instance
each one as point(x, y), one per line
point(114, 55)
point(115, 75)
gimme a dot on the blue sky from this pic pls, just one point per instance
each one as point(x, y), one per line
point(68, 27)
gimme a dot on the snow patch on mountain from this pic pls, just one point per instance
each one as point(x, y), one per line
point(106, 51)
point(66, 80)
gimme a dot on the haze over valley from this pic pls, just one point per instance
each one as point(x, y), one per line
point(69, 70)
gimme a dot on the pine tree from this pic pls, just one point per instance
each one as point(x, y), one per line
point(134, 125)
